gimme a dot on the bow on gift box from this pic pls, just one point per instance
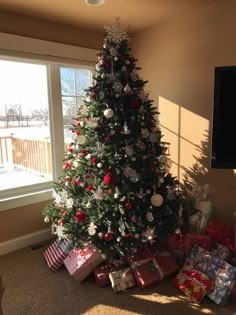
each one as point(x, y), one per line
point(222, 234)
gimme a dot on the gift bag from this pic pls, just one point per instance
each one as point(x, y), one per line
point(81, 262)
point(56, 253)
point(194, 283)
point(122, 279)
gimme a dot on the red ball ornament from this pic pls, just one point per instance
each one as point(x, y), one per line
point(84, 151)
point(128, 205)
point(68, 178)
point(107, 65)
point(80, 216)
point(93, 160)
point(128, 235)
point(108, 236)
point(109, 179)
point(77, 132)
point(90, 187)
point(132, 59)
point(134, 104)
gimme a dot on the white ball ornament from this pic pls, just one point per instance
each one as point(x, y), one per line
point(116, 58)
point(100, 234)
point(116, 195)
point(99, 165)
point(108, 113)
point(112, 132)
point(46, 220)
point(118, 239)
point(136, 236)
point(157, 200)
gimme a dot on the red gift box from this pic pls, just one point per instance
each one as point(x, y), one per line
point(151, 264)
point(194, 283)
point(101, 272)
point(81, 262)
point(56, 253)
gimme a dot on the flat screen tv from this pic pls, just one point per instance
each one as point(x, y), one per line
point(223, 151)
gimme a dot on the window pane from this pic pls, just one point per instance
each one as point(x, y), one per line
point(25, 152)
point(74, 81)
point(67, 81)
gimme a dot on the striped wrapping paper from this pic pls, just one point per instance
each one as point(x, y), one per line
point(56, 253)
point(80, 263)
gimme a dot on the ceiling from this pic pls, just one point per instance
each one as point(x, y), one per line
point(138, 14)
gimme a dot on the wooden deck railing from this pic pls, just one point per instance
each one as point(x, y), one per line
point(31, 155)
point(34, 155)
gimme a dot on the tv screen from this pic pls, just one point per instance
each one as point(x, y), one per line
point(223, 153)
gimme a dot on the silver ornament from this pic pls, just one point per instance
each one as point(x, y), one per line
point(46, 220)
point(108, 113)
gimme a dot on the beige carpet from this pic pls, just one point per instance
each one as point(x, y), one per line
point(32, 288)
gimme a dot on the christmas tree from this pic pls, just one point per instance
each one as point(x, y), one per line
point(116, 190)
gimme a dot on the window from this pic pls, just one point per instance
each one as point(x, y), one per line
point(39, 98)
point(74, 82)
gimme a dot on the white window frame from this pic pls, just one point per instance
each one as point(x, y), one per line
point(53, 55)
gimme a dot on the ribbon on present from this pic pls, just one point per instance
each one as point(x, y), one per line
point(139, 263)
point(121, 276)
point(150, 258)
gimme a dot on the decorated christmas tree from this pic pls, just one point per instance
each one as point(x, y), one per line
point(116, 190)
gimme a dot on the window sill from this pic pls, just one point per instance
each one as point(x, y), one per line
point(25, 200)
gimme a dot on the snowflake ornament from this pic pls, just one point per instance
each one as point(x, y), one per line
point(116, 32)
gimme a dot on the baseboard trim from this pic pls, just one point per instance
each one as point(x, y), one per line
point(24, 241)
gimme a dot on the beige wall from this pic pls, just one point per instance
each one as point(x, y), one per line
point(24, 220)
point(178, 59)
point(42, 29)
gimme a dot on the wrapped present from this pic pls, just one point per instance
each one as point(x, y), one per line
point(222, 273)
point(151, 264)
point(81, 262)
point(221, 233)
point(181, 245)
point(101, 272)
point(122, 279)
point(194, 283)
point(56, 253)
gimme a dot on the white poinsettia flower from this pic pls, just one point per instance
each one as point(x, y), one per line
point(81, 139)
point(93, 122)
point(69, 203)
point(60, 232)
point(98, 194)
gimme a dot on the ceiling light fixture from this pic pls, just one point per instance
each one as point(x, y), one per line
point(95, 2)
